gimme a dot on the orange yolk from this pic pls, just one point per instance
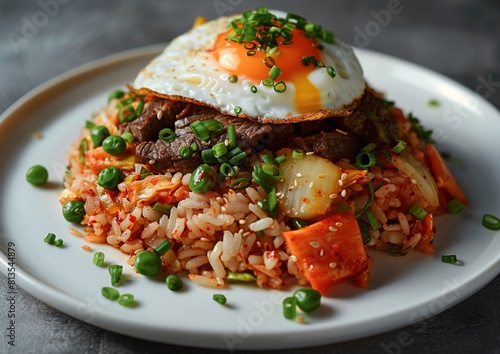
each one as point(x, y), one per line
point(235, 59)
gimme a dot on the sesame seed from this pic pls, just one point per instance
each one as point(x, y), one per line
point(343, 193)
point(314, 244)
point(413, 181)
point(321, 252)
point(309, 153)
point(242, 222)
point(332, 196)
point(322, 175)
point(332, 264)
point(223, 208)
point(311, 185)
point(343, 176)
point(298, 174)
point(340, 182)
point(151, 162)
point(159, 115)
point(295, 184)
point(226, 142)
point(338, 223)
point(204, 239)
point(259, 244)
point(331, 228)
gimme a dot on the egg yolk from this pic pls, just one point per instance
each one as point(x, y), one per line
point(246, 60)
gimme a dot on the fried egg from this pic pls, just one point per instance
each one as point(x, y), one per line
point(298, 78)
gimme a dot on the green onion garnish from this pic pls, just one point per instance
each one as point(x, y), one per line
point(298, 154)
point(374, 223)
point(263, 204)
point(290, 308)
point(50, 238)
point(491, 222)
point(365, 160)
point(98, 259)
point(365, 232)
point(163, 208)
point(231, 135)
point(387, 157)
point(126, 300)
point(233, 79)
point(184, 152)
point(83, 146)
point(162, 248)
point(253, 89)
point(417, 212)
point(58, 242)
point(237, 110)
point(194, 146)
point(208, 157)
point(199, 130)
point(128, 137)
point(115, 271)
point(449, 258)
point(89, 124)
point(331, 71)
point(455, 206)
point(227, 170)
point(110, 293)
point(213, 125)
point(221, 299)
point(369, 148)
point(299, 223)
point(241, 276)
point(280, 159)
point(241, 183)
point(115, 94)
point(272, 200)
point(275, 72)
point(280, 87)
point(267, 81)
point(219, 150)
point(167, 134)
point(237, 158)
point(400, 146)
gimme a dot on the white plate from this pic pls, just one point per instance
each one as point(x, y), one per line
point(402, 290)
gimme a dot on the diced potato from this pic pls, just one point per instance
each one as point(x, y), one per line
point(307, 185)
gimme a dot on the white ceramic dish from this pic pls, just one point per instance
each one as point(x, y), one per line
point(401, 291)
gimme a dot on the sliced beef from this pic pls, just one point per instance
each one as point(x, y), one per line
point(332, 145)
point(159, 113)
point(164, 156)
point(371, 121)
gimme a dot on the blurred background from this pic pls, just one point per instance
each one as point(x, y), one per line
point(458, 38)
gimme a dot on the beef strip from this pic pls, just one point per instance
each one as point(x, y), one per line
point(331, 145)
point(164, 156)
point(147, 126)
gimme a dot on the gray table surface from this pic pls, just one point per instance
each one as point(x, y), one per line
point(458, 38)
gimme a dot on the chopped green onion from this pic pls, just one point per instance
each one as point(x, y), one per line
point(307, 299)
point(227, 170)
point(89, 124)
point(328, 36)
point(144, 173)
point(194, 146)
point(369, 148)
point(110, 293)
point(162, 248)
point(220, 298)
point(98, 259)
point(163, 208)
point(387, 157)
point(115, 271)
point(199, 130)
point(298, 154)
point(331, 71)
point(365, 232)
point(268, 159)
point(267, 81)
point(449, 258)
point(259, 233)
point(233, 79)
point(275, 72)
point(83, 146)
point(263, 204)
point(273, 204)
point(491, 222)
point(231, 135)
point(280, 159)
point(237, 158)
point(213, 125)
point(167, 134)
point(365, 160)
point(184, 152)
point(379, 127)
point(115, 94)
point(455, 206)
point(374, 223)
point(50, 238)
point(126, 300)
point(400, 146)
point(433, 103)
point(128, 137)
point(280, 87)
point(208, 157)
point(58, 242)
point(241, 276)
point(241, 183)
point(219, 150)
point(237, 110)
point(253, 89)
point(290, 308)
point(269, 61)
point(139, 109)
point(417, 212)
point(299, 223)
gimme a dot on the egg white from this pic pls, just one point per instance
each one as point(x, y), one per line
point(186, 71)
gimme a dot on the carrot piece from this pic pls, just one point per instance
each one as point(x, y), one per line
point(443, 176)
point(329, 250)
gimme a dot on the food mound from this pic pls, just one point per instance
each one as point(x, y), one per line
point(252, 149)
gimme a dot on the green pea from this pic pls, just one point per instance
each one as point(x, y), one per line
point(220, 298)
point(174, 283)
point(147, 263)
point(203, 179)
point(98, 259)
point(114, 145)
point(110, 177)
point(290, 307)
point(74, 211)
point(37, 175)
point(307, 299)
point(98, 134)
